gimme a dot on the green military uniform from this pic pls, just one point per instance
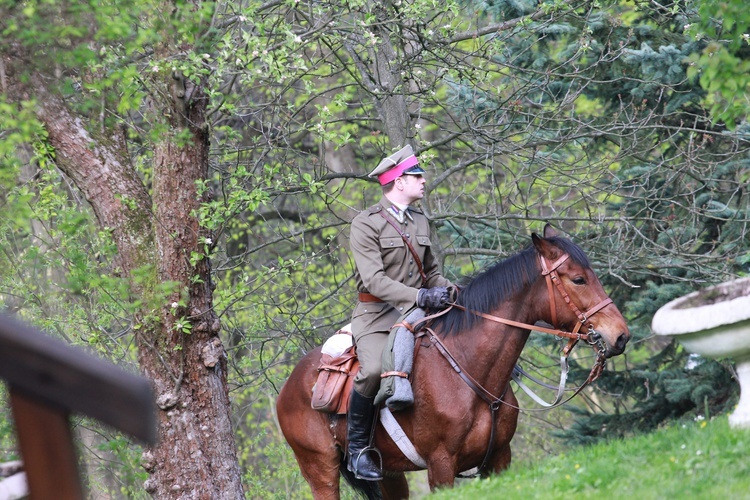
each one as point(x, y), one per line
point(386, 270)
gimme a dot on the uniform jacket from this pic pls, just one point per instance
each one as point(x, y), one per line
point(386, 268)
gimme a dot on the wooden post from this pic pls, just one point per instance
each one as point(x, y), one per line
point(48, 381)
point(46, 442)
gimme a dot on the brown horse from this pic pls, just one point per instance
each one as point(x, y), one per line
point(450, 425)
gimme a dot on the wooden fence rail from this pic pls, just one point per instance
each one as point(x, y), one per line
point(49, 380)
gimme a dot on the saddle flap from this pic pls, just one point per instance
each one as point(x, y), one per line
point(334, 383)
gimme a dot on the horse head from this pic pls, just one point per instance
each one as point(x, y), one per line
point(577, 298)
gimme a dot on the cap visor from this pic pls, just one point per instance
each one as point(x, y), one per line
point(415, 170)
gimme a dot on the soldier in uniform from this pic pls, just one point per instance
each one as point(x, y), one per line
point(390, 283)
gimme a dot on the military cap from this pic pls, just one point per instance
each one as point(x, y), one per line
point(402, 162)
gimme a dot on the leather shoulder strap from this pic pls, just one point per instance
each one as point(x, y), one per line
point(408, 244)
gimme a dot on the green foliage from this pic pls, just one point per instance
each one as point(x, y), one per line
point(19, 127)
point(123, 465)
point(664, 66)
point(721, 67)
point(503, 9)
point(62, 239)
point(262, 444)
point(55, 273)
point(8, 445)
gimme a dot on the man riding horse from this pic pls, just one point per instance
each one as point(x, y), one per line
point(395, 270)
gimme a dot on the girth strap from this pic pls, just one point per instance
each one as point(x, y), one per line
point(399, 437)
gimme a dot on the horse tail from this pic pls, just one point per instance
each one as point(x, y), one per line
point(368, 489)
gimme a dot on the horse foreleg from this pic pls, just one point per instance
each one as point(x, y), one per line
point(394, 486)
point(499, 462)
point(441, 471)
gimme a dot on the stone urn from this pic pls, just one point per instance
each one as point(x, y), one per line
point(714, 323)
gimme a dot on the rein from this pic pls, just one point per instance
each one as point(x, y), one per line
point(553, 279)
point(549, 271)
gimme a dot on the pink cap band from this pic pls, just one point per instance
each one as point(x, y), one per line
point(397, 171)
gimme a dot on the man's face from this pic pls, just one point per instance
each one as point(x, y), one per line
point(413, 187)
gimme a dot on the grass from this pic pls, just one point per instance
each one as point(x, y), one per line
point(700, 460)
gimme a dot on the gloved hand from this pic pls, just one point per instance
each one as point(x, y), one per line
point(433, 298)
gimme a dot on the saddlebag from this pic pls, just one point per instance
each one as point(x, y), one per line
point(334, 384)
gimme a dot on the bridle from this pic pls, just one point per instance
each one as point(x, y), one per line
point(552, 278)
point(593, 338)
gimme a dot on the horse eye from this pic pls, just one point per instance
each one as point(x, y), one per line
point(580, 280)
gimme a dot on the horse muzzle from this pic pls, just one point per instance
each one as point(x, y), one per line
point(609, 350)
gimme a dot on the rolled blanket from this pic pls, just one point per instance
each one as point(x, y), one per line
point(338, 342)
point(399, 394)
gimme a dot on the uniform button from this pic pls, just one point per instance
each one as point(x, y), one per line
point(391, 243)
point(411, 261)
point(410, 274)
point(365, 310)
point(407, 235)
point(400, 308)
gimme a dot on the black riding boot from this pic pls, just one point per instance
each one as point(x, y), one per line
point(358, 432)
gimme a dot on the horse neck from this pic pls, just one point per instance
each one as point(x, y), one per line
point(491, 350)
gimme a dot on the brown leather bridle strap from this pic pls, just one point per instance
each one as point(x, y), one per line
point(550, 273)
point(475, 386)
point(492, 400)
point(547, 270)
point(526, 326)
point(417, 326)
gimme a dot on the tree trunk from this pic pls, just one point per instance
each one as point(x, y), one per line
point(197, 457)
point(381, 74)
point(157, 237)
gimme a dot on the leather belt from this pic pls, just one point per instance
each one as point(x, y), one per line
point(368, 297)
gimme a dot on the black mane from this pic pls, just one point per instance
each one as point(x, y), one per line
point(496, 284)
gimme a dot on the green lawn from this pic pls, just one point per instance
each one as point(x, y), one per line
point(691, 461)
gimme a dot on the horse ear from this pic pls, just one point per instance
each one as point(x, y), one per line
point(544, 247)
point(549, 231)
point(538, 241)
